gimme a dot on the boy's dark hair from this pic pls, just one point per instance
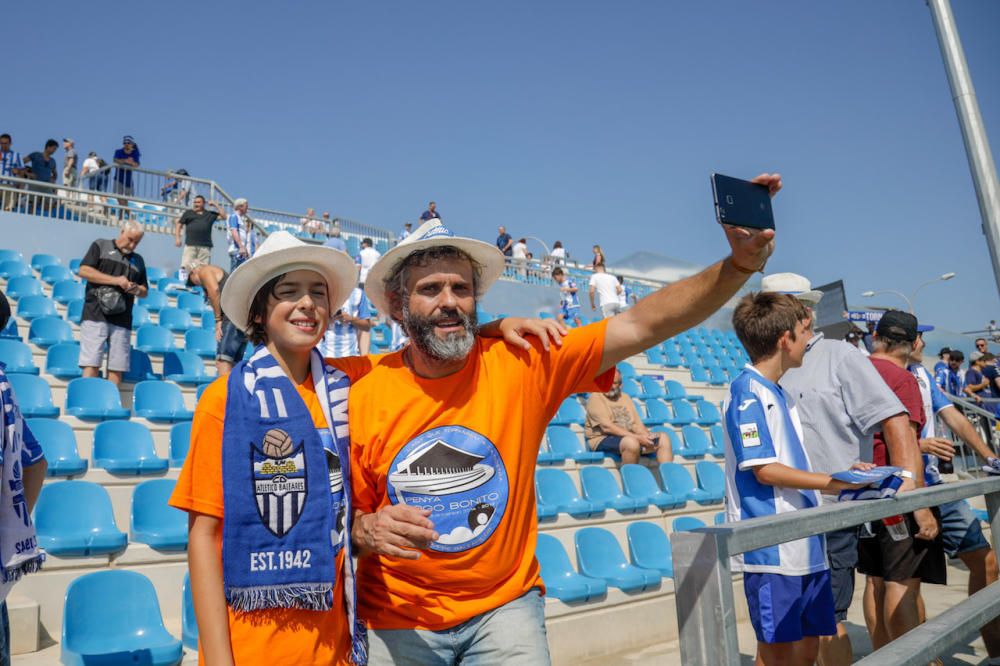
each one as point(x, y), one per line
point(51, 142)
point(6, 136)
point(367, 242)
point(985, 358)
point(557, 271)
point(761, 318)
point(257, 316)
point(956, 355)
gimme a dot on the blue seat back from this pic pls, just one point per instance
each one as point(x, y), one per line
point(718, 437)
point(676, 479)
point(598, 552)
point(183, 363)
point(50, 328)
point(699, 373)
point(563, 440)
point(687, 523)
point(31, 391)
point(7, 254)
point(655, 356)
point(40, 261)
point(657, 409)
point(599, 484)
point(675, 390)
point(175, 319)
point(56, 439)
point(74, 310)
point(31, 307)
point(709, 412)
point(180, 442)
point(16, 355)
point(158, 395)
point(695, 439)
point(154, 336)
point(63, 359)
point(193, 303)
point(200, 341)
point(717, 376)
point(683, 411)
point(648, 545)
point(140, 316)
point(123, 440)
point(13, 268)
point(73, 507)
point(631, 388)
point(67, 290)
point(626, 369)
point(189, 623)
point(554, 486)
point(711, 478)
point(552, 558)
point(55, 273)
point(166, 284)
point(25, 285)
point(650, 387)
point(93, 393)
point(140, 367)
point(150, 509)
point(571, 411)
point(10, 330)
point(154, 273)
point(155, 300)
point(638, 481)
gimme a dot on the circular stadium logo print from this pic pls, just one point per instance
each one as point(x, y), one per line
point(457, 474)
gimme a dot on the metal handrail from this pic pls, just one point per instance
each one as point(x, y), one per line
point(704, 584)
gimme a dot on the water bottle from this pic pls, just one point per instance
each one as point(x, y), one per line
point(946, 466)
point(896, 527)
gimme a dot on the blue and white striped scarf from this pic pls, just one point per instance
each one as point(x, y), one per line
point(287, 493)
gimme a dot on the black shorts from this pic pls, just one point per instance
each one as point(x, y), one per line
point(897, 560)
point(842, 551)
point(610, 444)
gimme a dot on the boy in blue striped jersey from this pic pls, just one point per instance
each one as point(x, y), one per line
point(768, 473)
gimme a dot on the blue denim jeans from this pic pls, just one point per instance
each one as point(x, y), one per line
point(513, 634)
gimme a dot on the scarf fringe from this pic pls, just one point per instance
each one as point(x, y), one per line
point(306, 596)
point(359, 643)
point(14, 573)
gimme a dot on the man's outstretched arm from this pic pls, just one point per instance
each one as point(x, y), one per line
point(681, 305)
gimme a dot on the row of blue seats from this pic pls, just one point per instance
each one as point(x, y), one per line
point(76, 519)
point(96, 399)
point(114, 617)
point(63, 291)
point(653, 411)
point(38, 261)
point(638, 490)
point(50, 275)
point(562, 444)
point(121, 447)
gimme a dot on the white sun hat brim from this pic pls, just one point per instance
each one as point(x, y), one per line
point(281, 252)
point(793, 285)
point(428, 235)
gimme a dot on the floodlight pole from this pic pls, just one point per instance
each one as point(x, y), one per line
point(977, 146)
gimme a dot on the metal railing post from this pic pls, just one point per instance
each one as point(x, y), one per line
point(703, 591)
point(993, 512)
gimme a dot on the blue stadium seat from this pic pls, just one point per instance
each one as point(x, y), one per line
point(555, 490)
point(154, 273)
point(708, 414)
point(651, 388)
point(140, 316)
point(201, 342)
point(631, 388)
point(160, 402)
point(175, 319)
point(639, 484)
point(720, 518)
point(711, 479)
point(695, 442)
point(657, 413)
point(710, 361)
point(649, 548)
point(684, 413)
point(679, 483)
point(10, 331)
point(189, 624)
point(40, 261)
point(113, 617)
point(54, 274)
point(63, 360)
point(561, 580)
point(672, 359)
point(570, 413)
point(47, 331)
point(353, 245)
point(193, 303)
point(74, 311)
point(598, 555)
point(718, 446)
point(75, 519)
point(180, 442)
point(14, 268)
point(93, 398)
point(185, 367)
point(74, 266)
point(7, 254)
point(687, 523)
point(154, 339)
point(676, 391)
point(717, 377)
point(600, 487)
point(19, 287)
point(699, 373)
point(655, 357)
point(564, 442)
point(126, 447)
point(32, 307)
point(140, 368)
point(154, 301)
point(59, 445)
point(154, 522)
point(627, 370)
point(67, 290)
point(17, 357)
point(33, 396)
point(169, 284)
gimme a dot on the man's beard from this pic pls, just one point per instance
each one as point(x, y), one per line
point(614, 394)
point(454, 347)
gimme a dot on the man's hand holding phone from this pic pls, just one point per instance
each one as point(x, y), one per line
point(751, 247)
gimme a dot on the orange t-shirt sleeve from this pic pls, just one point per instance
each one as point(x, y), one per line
point(199, 487)
point(355, 367)
point(572, 368)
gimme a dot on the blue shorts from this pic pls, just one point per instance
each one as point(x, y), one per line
point(571, 313)
point(610, 444)
point(960, 529)
point(784, 609)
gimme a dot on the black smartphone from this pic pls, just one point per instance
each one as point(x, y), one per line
point(742, 203)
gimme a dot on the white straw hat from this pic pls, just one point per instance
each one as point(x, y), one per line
point(432, 234)
point(281, 252)
point(793, 284)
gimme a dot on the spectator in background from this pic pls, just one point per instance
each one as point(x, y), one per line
point(504, 241)
point(22, 467)
point(327, 222)
point(868, 337)
point(993, 331)
point(10, 166)
point(69, 163)
point(177, 190)
point(992, 374)
point(399, 337)
point(853, 338)
point(90, 179)
point(407, 229)
point(975, 385)
point(599, 259)
point(948, 378)
point(367, 257)
point(310, 224)
point(342, 334)
point(942, 363)
point(614, 426)
point(115, 275)
point(626, 297)
point(242, 234)
point(519, 257)
point(335, 241)
point(231, 340)
point(42, 168)
point(981, 346)
point(126, 157)
point(569, 300)
point(558, 253)
point(197, 224)
point(431, 213)
point(605, 286)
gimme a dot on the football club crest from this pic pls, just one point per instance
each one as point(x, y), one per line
point(279, 477)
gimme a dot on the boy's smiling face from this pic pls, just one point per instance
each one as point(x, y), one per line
point(298, 311)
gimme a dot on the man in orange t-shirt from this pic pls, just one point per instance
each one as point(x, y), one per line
point(445, 435)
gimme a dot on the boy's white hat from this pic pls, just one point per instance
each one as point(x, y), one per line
point(793, 284)
point(281, 252)
point(432, 234)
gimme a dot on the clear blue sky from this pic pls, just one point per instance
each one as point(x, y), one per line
point(574, 120)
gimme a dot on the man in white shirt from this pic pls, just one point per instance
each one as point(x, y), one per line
point(367, 257)
point(606, 287)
